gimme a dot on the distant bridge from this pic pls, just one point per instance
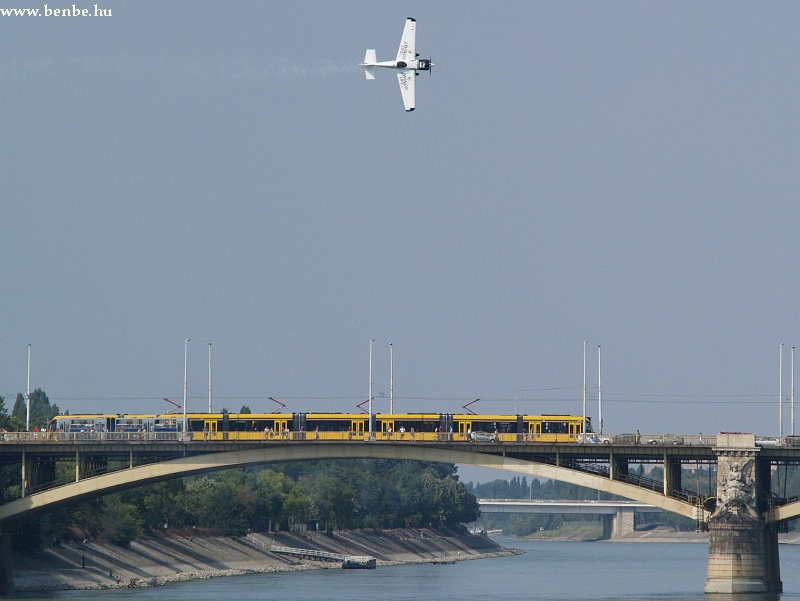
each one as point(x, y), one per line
point(618, 516)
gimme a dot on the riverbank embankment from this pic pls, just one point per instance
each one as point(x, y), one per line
point(175, 556)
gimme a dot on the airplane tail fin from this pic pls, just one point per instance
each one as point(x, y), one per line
point(370, 58)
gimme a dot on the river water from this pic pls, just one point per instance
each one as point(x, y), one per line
point(546, 571)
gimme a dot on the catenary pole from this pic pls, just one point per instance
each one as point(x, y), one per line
point(583, 426)
point(792, 391)
point(780, 394)
point(370, 389)
point(28, 395)
point(599, 392)
point(391, 379)
point(185, 380)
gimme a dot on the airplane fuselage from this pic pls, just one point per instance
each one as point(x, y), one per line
point(416, 65)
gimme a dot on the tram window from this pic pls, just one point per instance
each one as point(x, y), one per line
point(329, 425)
point(556, 428)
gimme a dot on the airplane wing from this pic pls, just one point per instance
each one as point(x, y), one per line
point(407, 78)
point(408, 43)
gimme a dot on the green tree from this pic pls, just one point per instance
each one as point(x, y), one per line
point(296, 507)
point(223, 503)
point(330, 500)
point(158, 504)
point(120, 522)
point(88, 517)
point(372, 503)
point(41, 411)
point(451, 502)
point(271, 489)
point(195, 499)
point(5, 419)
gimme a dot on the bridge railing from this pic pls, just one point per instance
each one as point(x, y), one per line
point(13, 437)
point(407, 436)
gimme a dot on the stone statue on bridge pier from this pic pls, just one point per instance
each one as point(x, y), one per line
point(743, 548)
point(736, 493)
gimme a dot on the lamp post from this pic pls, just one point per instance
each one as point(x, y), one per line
point(780, 394)
point(28, 395)
point(792, 391)
point(599, 392)
point(583, 425)
point(391, 379)
point(370, 389)
point(185, 381)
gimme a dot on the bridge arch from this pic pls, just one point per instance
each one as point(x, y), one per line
point(784, 512)
point(70, 494)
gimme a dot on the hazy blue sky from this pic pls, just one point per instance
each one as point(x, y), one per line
point(626, 173)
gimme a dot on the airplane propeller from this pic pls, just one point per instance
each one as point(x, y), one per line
point(430, 63)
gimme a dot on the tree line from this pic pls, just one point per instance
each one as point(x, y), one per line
point(322, 495)
point(42, 411)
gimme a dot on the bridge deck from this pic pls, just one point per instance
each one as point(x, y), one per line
point(561, 506)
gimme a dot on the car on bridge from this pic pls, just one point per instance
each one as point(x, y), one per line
point(478, 436)
point(593, 438)
point(666, 439)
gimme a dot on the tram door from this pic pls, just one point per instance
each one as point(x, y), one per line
point(357, 428)
point(535, 431)
point(210, 429)
point(386, 425)
point(464, 428)
point(574, 430)
point(281, 429)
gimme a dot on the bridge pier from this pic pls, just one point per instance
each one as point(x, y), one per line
point(6, 576)
point(619, 524)
point(89, 465)
point(617, 466)
point(672, 474)
point(624, 522)
point(743, 548)
point(36, 472)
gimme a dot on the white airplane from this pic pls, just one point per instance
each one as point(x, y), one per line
point(406, 64)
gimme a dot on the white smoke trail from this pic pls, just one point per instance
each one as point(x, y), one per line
point(245, 71)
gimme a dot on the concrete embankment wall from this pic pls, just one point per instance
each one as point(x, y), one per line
point(181, 556)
